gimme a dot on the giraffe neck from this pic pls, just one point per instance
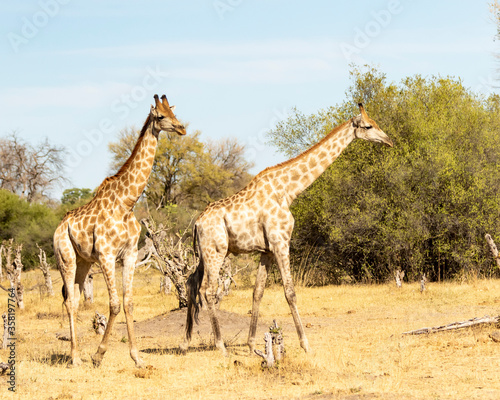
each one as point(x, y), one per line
point(133, 176)
point(300, 172)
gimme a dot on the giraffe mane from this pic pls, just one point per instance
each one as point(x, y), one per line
point(305, 152)
point(124, 167)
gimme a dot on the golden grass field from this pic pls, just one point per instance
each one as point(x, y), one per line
point(355, 332)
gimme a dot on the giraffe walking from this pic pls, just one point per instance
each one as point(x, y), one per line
point(105, 230)
point(258, 219)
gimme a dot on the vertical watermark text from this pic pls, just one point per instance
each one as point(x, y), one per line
point(10, 337)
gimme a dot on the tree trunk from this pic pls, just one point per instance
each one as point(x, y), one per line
point(5, 339)
point(14, 273)
point(165, 285)
point(493, 248)
point(2, 250)
point(173, 259)
point(274, 348)
point(45, 267)
point(399, 275)
point(422, 283)
point(88, 289)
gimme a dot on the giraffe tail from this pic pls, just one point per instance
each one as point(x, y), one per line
point(193, 287)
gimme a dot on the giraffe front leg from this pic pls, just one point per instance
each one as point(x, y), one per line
point(258, 292)
point(108, 270)
point(282, 258)
point(128, 307)
point(71, 307)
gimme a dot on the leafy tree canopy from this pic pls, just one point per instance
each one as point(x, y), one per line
point(423, 206)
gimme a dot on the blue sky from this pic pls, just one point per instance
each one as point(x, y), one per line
point(78, 71)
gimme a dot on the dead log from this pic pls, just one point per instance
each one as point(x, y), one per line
point(99, 323)
point(493, 248)
point(456, 325)
point(45, 267)
point(274, 346)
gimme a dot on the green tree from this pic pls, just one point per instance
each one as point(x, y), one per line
point(424, 205)
point(74, 196)
point(27, 223)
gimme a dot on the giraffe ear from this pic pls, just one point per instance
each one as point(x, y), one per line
point(172, 108)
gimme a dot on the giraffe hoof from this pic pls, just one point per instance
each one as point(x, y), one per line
point(183, 349)
point(139, 363)
point(76, 362)
point(96, 360)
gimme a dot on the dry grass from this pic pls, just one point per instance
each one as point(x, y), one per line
point(355, 332)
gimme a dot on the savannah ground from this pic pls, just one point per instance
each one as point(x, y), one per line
point(355, 332)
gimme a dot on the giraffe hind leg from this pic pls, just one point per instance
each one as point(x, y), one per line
point(260, 283)
point(108, 270)
point(213, 266)
point(66, 261)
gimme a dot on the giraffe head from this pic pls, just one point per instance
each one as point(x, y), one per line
point(163, 117)
point(367, 129)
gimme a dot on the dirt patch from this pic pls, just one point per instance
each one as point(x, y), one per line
point(173, 324)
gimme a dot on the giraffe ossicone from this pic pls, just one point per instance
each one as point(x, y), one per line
point(258, 219)
point(105, 230)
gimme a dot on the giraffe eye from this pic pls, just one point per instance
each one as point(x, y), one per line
point(160, 117)
point(367, 127)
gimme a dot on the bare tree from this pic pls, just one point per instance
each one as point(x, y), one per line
point(173, 258)
point(176, 261)
point(423, 280)
point(27, 170)
point(45, 267)
point(399, 275)
point(13, 270)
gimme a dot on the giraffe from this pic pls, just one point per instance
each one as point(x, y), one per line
point(258, 219)
point(105, 230)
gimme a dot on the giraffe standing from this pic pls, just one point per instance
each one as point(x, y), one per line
point(105, 230)
point(258, 219)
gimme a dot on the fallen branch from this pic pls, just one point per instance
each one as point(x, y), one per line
point(456, 325)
